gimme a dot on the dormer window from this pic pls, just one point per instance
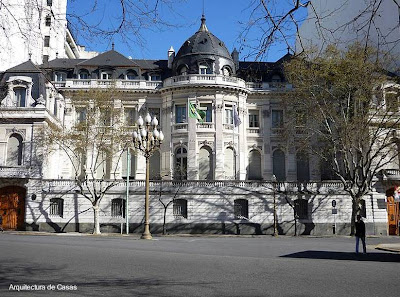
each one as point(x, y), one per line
point(155, 77)
point(183, 70)
point(131, 75)
point(226, 71)
point(60, 76)
point(83, 74)
point(276, 78)
point(106, 75)
point(20, 96)
point(205, 69)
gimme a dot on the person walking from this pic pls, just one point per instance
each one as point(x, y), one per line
point(360, 234)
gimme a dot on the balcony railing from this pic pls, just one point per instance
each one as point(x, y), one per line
point(207, 79)
point(14, 172)
point(105, 83)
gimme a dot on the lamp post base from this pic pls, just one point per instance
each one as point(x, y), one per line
point(146, 234)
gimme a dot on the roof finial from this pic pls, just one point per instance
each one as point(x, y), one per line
point(203, 26)
point(112, 45)
point(30, 56)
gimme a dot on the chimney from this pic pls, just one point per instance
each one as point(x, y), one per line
point(235, 57)
point(171, 56)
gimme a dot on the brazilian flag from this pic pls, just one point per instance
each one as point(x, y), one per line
point(196, 113)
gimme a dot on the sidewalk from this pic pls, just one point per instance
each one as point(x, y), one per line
point(390, 247)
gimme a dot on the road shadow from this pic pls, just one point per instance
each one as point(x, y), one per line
point(329, 255)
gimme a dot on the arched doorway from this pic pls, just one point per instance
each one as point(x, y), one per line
point(12, 207)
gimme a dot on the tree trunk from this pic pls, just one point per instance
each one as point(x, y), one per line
point(354, 213)
point(164, 229)
point(96, 221)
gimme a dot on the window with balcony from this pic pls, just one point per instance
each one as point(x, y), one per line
point(105, 117)
point(83, 74)
point(207, 108)
point(180, 114)
point(130, 116)
point(106, 75)
point(228, 114)
point(155, 77)
point(131, 74)
point(60, 76)
point(254, 119)
point(205, 163)
point(57, 207)
point(226, 71)
point(277, 119)
point(303, 167)
point(155, 168)
point(241, 209)
point(118, 208)
point(183, 70)
point(205, 69)
point(14, 150)
point(20, 97)
point(180, 208)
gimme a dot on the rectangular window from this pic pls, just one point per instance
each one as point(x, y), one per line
point(105, 117)
point(253, 119)
point(49, 2)
point(118, 208)
point(180, 114)
point(57, 207)
point(277, 118)
point(207, 108)
point(46, 41)
point(81, 115)
point(20, 96)
point(130, 116)
point(301, 208)
point(155, 77)
point(48, 21)
point(180, 208)
point(45, 58)
point(241, 209)
point(60, 76)
point(105, 75)
point(228, 114)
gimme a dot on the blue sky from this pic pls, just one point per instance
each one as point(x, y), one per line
point(223, 20)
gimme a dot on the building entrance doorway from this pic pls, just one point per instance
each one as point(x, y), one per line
point(12, 207)
point(393, 211)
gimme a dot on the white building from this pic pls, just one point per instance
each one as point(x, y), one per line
point(216, 173)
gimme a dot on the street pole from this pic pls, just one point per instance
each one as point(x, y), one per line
point(147, 139)
point(128, 172)
point(274, 189)
point(146, 234)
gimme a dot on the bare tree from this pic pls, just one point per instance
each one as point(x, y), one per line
point(300, 23)
point(344, 109)
point(93, 145)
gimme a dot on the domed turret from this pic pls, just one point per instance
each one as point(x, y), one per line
point(203, 53)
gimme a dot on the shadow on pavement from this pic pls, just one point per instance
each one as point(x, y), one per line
point(369, 257)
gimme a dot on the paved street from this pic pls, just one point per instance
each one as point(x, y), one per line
point(65, 265)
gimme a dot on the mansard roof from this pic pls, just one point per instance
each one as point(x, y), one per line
point(110, 58)
point(62, 63)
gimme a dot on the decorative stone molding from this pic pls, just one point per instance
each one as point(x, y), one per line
point(15, 130)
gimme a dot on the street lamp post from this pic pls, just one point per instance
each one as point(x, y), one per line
point(274, 180)
point(147, 139)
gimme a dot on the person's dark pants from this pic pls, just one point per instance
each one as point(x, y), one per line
point(363, 244)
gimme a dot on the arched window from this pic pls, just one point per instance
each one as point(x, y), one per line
point(303, 167)
point(254, 168)
point(276, 78)
point(278, 165)
point(20, 96)
point(84, 74)
point(118, 207)
point(183, 70)
point(14, 150)
point(229, 163)
point(241, 209)
point(180, 170)
point(205, 164)
point(131, 74)
point(155, 166)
